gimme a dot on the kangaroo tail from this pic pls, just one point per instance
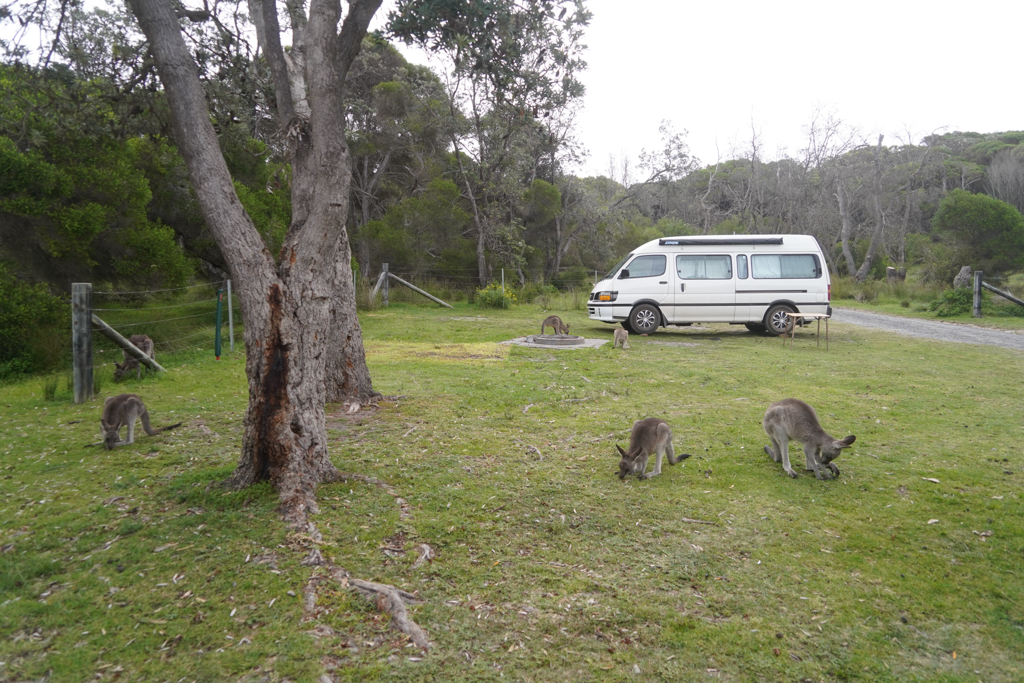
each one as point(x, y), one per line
point(167, 428)
point(153, 432)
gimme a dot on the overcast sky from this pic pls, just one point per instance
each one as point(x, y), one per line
point(717, 69)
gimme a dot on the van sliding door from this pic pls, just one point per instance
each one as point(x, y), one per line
point(705, 289)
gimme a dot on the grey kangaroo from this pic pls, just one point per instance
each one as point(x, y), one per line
point(144, 344)
point(652, 435)
point(556, 323)
point(123, 410)
point(621, 338)
point(793, 420)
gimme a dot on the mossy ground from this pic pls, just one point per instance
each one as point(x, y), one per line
point(135, 565)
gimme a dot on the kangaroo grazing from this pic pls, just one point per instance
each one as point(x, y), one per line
point(621, 339)
point(556, 323)
point(143, 343)
point(652, 435)
point(792, 419)
point(121, 410)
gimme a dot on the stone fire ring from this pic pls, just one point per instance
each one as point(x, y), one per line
point(556, 341)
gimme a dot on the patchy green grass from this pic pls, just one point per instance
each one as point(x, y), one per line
point(134, 565)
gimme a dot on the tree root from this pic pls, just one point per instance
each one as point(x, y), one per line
point(427, 554)
point(387, 599)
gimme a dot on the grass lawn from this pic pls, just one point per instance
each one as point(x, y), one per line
point(135, 565)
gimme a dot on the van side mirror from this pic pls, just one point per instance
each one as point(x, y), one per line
point(623, 274)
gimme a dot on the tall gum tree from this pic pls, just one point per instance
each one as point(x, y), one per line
point(511, 64)
point(294, 306)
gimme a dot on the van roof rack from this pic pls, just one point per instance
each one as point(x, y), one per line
point(673, 241)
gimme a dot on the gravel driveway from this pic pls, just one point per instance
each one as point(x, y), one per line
point(930, 329)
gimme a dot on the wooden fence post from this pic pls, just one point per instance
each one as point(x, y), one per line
point(977, 294)
point(81, 339)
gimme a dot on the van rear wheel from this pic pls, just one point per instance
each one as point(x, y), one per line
point(777, 319)
point(644, 319)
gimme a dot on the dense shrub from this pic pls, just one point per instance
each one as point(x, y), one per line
point(34, 326)
point(954, 302)
point(533, 290)
point(574, 277)
point(493, 296)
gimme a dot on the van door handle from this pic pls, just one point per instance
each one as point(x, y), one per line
point(682, 286)
point(663, 282)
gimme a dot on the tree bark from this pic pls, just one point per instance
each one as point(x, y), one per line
point(288, 307)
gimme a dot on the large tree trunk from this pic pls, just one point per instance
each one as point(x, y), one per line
point(348, 378)
point(287, 307)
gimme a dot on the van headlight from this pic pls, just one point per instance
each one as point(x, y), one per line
point(607, 296)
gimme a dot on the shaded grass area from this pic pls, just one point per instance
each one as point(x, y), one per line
point(548, 567)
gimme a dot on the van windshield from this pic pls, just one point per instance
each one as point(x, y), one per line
point(611, 273)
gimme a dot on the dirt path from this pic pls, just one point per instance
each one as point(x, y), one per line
point(930, 329)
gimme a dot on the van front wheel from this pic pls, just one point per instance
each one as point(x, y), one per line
point(644, 319)
point(777, 319)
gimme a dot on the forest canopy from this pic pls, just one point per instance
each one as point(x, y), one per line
point(456, 173)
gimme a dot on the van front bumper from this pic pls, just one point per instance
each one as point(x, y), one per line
point(603, 312)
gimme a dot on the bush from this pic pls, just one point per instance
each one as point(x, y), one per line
point(533, 290)
point(492, 296)
point(953, 302)
point(33, 326)
point(985, 232)
point(572, 278)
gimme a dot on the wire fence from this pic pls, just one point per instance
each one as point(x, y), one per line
point(177, 320)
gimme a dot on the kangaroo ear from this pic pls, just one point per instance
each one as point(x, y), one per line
point(843, 443)
point(621, 451)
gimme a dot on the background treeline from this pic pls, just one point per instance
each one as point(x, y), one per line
point(456, 175)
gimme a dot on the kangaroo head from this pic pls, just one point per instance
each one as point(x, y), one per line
point(109, 434)
point(628, 463)
point(120, 369)
point(832, 451)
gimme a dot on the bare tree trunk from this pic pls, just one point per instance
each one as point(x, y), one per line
point(876, 192)
point(287, 307)
point(844, 235)
point(348, 378)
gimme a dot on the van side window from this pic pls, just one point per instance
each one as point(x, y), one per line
point(741, 266)
point(785, 266)
point(694, 267)
point(646, 266)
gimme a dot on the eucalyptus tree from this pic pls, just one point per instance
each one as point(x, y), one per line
point(510, 64)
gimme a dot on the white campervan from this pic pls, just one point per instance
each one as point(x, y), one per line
point(752, 280)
